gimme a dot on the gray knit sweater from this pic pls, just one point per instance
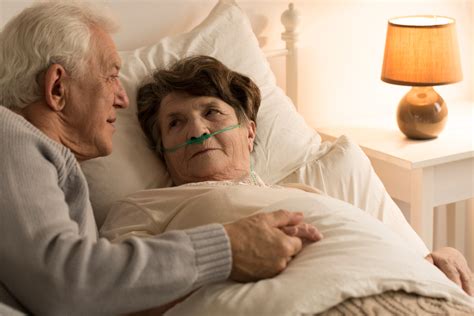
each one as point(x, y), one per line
point(51, 259)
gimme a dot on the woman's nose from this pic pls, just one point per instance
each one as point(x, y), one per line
point(203, 134)
point(197, 129)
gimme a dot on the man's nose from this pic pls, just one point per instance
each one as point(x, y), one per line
point(121, 98)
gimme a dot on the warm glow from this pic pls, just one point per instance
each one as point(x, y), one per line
point(421, 51)
point(421, 20)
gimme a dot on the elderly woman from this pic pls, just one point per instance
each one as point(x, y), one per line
point(200, 118)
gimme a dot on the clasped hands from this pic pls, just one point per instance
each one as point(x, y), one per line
point(263, 244)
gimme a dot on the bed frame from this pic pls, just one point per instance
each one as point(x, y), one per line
point(290, 20)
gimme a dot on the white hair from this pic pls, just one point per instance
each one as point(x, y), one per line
point(51, 32)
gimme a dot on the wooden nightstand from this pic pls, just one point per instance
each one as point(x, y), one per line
point(424, 174)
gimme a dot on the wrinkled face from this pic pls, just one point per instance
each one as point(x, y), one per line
point(224, 156)
point(91, 101)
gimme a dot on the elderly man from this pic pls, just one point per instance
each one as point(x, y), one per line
point(59, 94)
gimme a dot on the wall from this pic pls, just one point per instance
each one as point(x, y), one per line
point(342, 53)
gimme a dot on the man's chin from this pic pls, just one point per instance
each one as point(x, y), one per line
point(106, 151)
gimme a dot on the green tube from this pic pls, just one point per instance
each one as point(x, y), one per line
point(200, 139)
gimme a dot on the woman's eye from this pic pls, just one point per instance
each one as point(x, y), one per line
point(173, 123)
point(211, 112)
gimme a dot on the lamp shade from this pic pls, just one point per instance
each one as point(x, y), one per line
point(421, 51)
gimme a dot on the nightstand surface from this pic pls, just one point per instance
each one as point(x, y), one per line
point(422, 173)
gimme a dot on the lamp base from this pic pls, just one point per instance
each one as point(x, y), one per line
point(422, 113)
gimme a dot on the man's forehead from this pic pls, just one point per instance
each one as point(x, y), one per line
point(111, 57)
point(105, 47)
point(115, 62)
point(106, 61)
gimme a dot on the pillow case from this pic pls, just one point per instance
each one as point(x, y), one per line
point(343, 171)
point(227, 35)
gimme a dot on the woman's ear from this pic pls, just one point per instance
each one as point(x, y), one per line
point(54, 87)
point(251, 128)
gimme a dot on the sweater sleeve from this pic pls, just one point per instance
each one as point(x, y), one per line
point(53, 269)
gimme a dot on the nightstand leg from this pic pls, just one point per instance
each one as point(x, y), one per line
point(470, 233)
point(422, 203)
point(451, 224)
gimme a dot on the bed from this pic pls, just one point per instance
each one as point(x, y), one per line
point(339, 169)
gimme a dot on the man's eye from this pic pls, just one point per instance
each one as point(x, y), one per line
point(113, 77)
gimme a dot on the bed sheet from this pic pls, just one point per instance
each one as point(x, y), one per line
point(358, 256)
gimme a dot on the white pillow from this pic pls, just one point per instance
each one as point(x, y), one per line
point(357, 257)
point(343, 171)
point(227, 35)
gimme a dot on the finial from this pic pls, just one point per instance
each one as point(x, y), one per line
point(290, 18)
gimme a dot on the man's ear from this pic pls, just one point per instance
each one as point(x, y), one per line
point(54, 87)
point(251, 128)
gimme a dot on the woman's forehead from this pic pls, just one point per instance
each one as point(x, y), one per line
point(177, 102)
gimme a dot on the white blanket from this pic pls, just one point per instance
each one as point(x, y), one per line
point(359, 256)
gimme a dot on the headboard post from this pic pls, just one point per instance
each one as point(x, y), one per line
point(290, 20)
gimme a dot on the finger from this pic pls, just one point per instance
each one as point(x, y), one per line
point(430, 258)
point(309, 232)
point(467, 282)
point(303, 230)
point(466, 275)
point(317, 236)
point(290, 230)
point(284, 218)
point(452, 273)
point(292, 246)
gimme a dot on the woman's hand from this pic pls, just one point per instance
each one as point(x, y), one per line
point(303, 231)
point(454, 265)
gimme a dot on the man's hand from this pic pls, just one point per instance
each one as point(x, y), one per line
point(454, 265)
point(260, 249)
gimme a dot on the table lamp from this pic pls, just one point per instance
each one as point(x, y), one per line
point(422, 52)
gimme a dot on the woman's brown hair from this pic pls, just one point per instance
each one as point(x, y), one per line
point(196, 76)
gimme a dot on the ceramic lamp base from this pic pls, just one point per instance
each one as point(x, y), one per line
point(422, 113)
